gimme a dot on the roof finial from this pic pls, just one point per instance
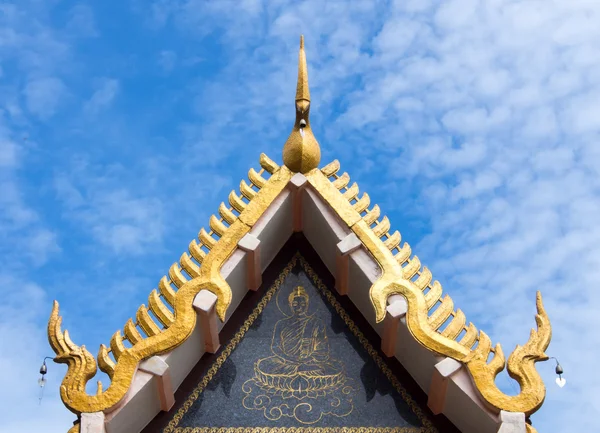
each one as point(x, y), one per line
point(301, 152)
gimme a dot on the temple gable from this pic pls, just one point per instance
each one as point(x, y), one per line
point(296, 358)
point(301, 368)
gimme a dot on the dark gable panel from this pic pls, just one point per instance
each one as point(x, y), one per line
point(298, 360)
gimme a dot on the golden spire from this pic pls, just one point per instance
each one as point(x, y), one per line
point(301, 152)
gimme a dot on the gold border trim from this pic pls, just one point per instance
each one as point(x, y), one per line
point(172, 427)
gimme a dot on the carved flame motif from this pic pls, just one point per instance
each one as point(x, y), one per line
point(172, 317)
point(431, 318)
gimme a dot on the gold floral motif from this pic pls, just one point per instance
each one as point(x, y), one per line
point(185, 280)
point(402, 275)
point(172, 427)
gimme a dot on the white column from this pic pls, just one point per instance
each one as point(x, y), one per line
point(436, 398)
point(298, 183)
point(160, 369)
point(251, 245)
point(395, 311)
point(92, 423)
point(512, 422)
point(204, 304)
point(343, 250)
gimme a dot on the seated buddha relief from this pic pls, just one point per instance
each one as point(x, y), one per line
point(301, 376)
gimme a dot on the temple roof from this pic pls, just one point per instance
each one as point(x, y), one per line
point(169, 318)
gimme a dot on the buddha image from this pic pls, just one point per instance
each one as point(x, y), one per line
point(300, 343)
point(300, 368)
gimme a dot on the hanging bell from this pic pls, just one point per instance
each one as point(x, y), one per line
point(559, 369)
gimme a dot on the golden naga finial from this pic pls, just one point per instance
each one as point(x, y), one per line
point(301, 152)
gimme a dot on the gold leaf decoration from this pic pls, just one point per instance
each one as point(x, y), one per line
point(146, 322)
point(351, 193)
point(422, 295)
point(106, 364)
point(131, 332)
point(331, 168)
point(256, 178)
point(268, 164)
point(341, 181)
point(166, 329)
point(160, 310)
point(192, 269)
point(362, 203)
point(236, 202)
point(393, 241)
point(372, 215)
point(116, 345)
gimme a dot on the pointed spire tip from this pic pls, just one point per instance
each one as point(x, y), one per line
point(302, 91)
point(301, 152)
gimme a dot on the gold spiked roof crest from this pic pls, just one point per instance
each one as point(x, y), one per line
point(430, 318)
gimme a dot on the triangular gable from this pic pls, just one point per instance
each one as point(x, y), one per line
point(363, 392)
point(170, 318)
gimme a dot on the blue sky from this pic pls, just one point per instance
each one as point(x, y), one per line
point(474, 125)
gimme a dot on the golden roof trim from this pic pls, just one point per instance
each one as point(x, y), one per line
point(206, 258)
point(423, 320)
point(194, 272)
point(401, 274)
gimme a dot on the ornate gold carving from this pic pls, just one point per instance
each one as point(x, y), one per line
point(426, 315)
point(431, 319)
point(371, 215)
point(301, 152)
point(160, 310)
point(106, 364)
point(172, 427)
point(520, 367)
point(331, 169)
point(148, 336)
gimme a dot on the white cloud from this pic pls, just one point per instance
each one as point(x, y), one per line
point(167, 59)
point(22, 348)
point(82, 22)
point(8, 153)
point(114, 216)
point(103, 96)
point(44, 96)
